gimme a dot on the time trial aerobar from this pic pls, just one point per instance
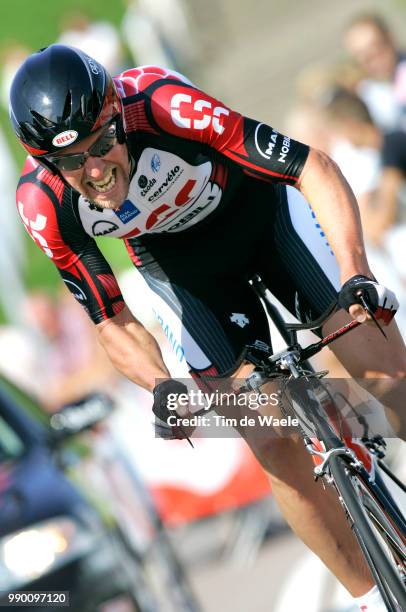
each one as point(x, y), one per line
point(313, 349)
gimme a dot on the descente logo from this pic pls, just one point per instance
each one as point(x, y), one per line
point(65, 138)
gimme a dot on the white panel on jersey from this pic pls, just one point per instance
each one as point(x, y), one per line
point(148, 307)
point(117, 223)
point(180, 193)
point(166, 194)
point(182, 343)
point(308, 229)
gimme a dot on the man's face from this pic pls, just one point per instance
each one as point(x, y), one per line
point(372, 50)
point(102, 180)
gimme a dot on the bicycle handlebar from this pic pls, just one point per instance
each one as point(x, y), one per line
point(313, 349)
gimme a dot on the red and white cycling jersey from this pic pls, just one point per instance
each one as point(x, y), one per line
point(166, 194)
point(190, 153)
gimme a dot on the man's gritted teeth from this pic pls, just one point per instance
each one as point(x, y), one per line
point(106, 184)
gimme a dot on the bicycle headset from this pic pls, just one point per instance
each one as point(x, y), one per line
point(59, 96)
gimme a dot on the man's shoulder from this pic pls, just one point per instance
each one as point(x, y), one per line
point(35, 173)
point(136, 80)
point(37, 183)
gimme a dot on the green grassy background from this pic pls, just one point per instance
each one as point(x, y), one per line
point(36, 24)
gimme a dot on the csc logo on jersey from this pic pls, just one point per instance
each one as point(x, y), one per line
point(34, 227)
point(196, 114)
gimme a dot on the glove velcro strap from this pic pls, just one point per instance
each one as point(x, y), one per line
point(347, 295)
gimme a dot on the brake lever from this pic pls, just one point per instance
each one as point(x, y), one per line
point(365, 305)
point(185, 437)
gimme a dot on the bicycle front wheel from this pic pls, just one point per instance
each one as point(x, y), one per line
point(381, 538)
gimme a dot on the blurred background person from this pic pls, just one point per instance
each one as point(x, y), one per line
point(11, 57)
point(160, 32)
point(370, 42)
point(374, 163)
point(74, 368)
point(304, 120)
point(44, 355)
point(11, 241)
point(99, 39)
point(355, 144)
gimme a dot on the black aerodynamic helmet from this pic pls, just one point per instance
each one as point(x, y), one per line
point(60, 95)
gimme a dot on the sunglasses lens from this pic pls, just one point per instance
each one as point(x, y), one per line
point(100, 148)
point(105, 143)
point(69, 162)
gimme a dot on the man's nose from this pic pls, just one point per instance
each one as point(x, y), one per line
point(95, 167)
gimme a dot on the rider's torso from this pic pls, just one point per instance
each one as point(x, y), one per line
point(167, 193)
point(194, 161)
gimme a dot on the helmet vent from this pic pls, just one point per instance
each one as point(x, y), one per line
point(67, 109)
point(96, 102)
point(83, 105)
point(43, 121)
point(30, 129)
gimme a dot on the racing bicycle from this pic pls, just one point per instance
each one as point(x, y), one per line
point(367, 488)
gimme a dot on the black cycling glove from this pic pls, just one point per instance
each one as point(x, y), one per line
point(381, 301)
point(162, 412)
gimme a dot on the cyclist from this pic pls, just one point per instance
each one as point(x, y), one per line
point(203, 198)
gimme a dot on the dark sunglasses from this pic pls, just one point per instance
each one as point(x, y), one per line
point(106, 141)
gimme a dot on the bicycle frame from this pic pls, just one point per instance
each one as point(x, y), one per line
point(358, 455)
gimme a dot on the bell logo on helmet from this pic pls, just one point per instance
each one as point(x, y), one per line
point(65, 138)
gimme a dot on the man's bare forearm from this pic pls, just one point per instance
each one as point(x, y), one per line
point(336, 209)
point(132, 349)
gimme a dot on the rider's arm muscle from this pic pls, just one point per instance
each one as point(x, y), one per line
point(132, 349)
point(46, 211)
point(336, 209)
